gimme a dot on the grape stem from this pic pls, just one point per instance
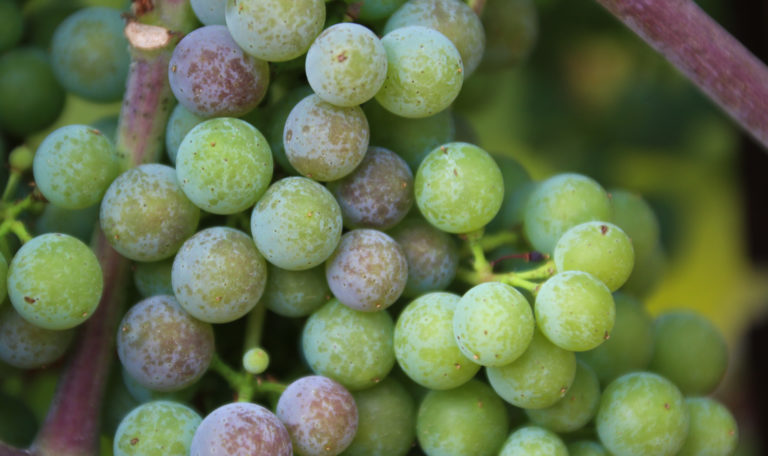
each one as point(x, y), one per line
point(10, 186)
point(10, 213)
point(243, 383)
point(705, 53)
point(254, 326)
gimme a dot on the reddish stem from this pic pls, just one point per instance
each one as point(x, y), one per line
point(704, 52)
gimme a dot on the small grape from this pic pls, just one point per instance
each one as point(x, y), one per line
point(159, 428)
point(27, 346)
point(576, 408)
point(180, 123)
point(255, 361)
point(210, 12)
point(586, 448)
point(154, 278)
point(295, 293)
point(533, 441)
point(712, 431)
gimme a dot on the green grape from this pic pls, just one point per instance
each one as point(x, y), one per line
point(224, 165)
point(159, 428)
point(493, 324)
point(537, 379)
point(454, 19)
point(11, 25)
point(511, 28)
point(374, 10)
point(367, 271)
point(275, 30)
point(559, 203)
point(516, 182)
point(153, 278)
point(323, 141)
point(3, 279)
point(296, 224)
point(78, 223)
point(89, 54)
point(27, 346)
point(278, 114)
point(642, 413)
point(533, 441)
point(425, 347)
point(633, 215)
point(386, 423)
point(145, 214)
point(24, 112)
point(107, 125)
point(690, 351)
point(346, 65)
point(218, 275)
point(74, 165)
point(255, 361)
point(470, 419)
point(576, 408)
point(354, 348)
point(712, 431)
point(209, 12)
point(575, 311)
point(295, 293)
point(55, 281)
point(241, 428)
point(647, 273)
point(180, 123)
point(424, 72)
point(142, 394)
point(630, 346)
point(586, 448)
point(459, 188)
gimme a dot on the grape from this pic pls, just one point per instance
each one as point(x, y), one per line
point(470, 419)
point(55, 281)
point(459, 188)
point(275, 30)
point(346, 65)
point(431, 255)
point(642, 413)
point(179, 124)
point(161, 346)
point(386, 421)
point(154, 278)
point(107, 125)
point(224, 165)
point(533, 441)
point(241, 429)
point(559, 203)
point(354, 348)
point(255, 361)
point(295, 293)
point(145, 214)
point(296, 224)
point(424, 344)
point(160, 428)
point(511, 28)
point(27, 346)
point(211, 76)
point(453, 18)
point(689, 351)
point(23, 112)
point(278, 114)
point(517, 182)
point(323, 141)
point(74, 165)
point(11, 25)
point(647, 273)
point(3, 279)
point(218, 275)
point(78, 223)
point(599, 248)
point(90, 54)
point(374, 10)
point(367, 271)
point(586, 448)
point(576, 408)
point(630, 346)
point(575, 311)
point(424, 72)
point(712, 431)
point(493, 324)
point(537, 379)
point(142, 394)
point(210, 12)
point(633, 215)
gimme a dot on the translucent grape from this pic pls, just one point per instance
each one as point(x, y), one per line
point(511, 29)
point(160, 428)
point(89, 54)
point(210, 12)
point(537, 379)
point(425, 347)
point(179, 124)
point(323, 141)
point(211, 76)
point(320, 415)
point(11, 25)
point(378, 193)
point(145, 214)
point(241, 428)
point(533, 441)
point(55, 281)
point(642, 413)
point(575, 311)
point(296, 224)
point(586, 448)
point(153, 278)
point(224, 165)
point(218, 275)
point(576, 408)
point(27, 346)
point(559, 203)
point(255, 361)
point(346, 65)
point(77, 223)
point(712, 431)
point(633, 215)
point(424, 72)
point(516, 181)
point(161, 346)
point(354, 348)
point(470, 419)
point(367, 271)
point(493, 324)
point(275, 30)
point(295, 293)
point(74, 165)
point(459, 188)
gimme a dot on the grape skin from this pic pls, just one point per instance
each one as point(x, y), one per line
point(209, 12)
point(533, 441)
point(159, 428)
point(27, 346)
point(633, 215)
point(576, 408)
point(180, 123)
point(153, 278)
point(712, 430)
point(586, 448)
point(277, 115)
point(295, 293)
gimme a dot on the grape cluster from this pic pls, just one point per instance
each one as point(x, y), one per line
point(315, 172)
